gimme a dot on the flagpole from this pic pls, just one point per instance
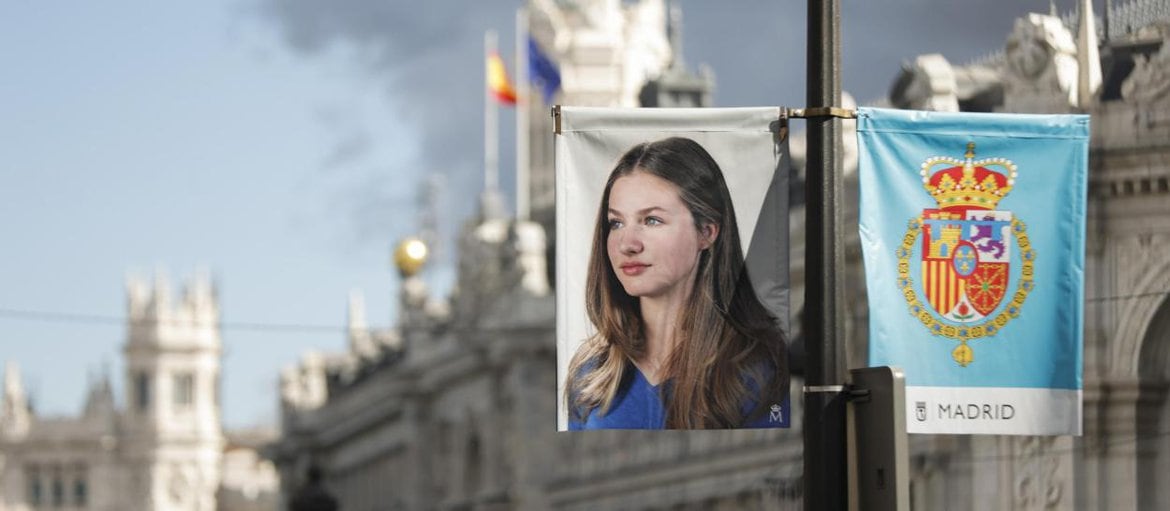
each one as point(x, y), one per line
point(491, 163)
point(523, 107)
point(825, 474)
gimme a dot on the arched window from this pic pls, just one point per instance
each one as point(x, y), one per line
point(184, 389)
point(80, 487)
point(474, 464)
point(142, 390)
point(36, 488)
point(1153, 413)
point(57, 488)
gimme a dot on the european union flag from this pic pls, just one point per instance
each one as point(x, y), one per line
point(973, 233)
point(542, 72)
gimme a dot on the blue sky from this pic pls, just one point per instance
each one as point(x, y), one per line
point(175, 136)
point(282, 144)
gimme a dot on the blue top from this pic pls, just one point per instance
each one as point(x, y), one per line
point(638, 405)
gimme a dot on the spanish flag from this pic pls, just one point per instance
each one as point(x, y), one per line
point(497, 80)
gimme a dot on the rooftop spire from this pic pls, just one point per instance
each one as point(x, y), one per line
point(357, 310)
point(14, 409)
point(674, 32)
point(13, 388)
point(361, 342)
point(1088, 58)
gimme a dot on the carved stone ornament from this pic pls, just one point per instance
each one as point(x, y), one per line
point(1041, 61)
point(1150, 79)
point(1038, 484)
point(927, 83)
point(1029, 53)
point(179, 487)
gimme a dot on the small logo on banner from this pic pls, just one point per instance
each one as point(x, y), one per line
point(965, 252)
point(776, 414)
point(920, 411)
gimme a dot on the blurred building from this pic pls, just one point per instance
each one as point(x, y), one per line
point(455, 407)
point(163, 450)
point(609, 53)
point(1115, 68)
point(248, 481)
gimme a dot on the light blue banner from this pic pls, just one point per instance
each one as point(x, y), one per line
point(973, 233)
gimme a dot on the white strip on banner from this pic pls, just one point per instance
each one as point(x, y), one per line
point(993, 411)
point(745, 142)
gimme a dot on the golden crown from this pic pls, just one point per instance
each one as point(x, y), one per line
point(968, 183)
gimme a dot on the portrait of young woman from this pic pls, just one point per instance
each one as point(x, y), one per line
point(681, 340)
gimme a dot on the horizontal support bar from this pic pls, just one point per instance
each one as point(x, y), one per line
point(808, 389)
point(822, 111)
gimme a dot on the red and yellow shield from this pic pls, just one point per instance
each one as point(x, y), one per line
point(964, 246)
point(965, 261)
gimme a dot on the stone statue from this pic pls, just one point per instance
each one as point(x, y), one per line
point(927, 83)
point(1041, 66)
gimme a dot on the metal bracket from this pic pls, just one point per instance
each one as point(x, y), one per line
point(822, 111)
point(827, 389)
point(780, 125)
point(857, 394)
point(556, 115)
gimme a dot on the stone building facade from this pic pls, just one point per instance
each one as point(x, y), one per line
point(454, 408)
point(1052, 64)
point(163, 450)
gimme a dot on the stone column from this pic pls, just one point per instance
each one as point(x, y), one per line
point(1153, 446)
point(1089, 455)
point(1119, 448)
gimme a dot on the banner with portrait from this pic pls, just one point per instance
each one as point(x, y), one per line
point(973, 234)
point(750, 147)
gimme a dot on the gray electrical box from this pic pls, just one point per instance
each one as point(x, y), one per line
point(880, 469)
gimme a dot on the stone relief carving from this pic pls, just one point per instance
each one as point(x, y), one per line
point(1038, 483)
point(179, 486)
point(1139, 277)
point(1150, 79)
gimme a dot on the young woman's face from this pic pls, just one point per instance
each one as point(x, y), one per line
point(653, 244)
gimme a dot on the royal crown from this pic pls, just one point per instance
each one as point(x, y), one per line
point(968, 183)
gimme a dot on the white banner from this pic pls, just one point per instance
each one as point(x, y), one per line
point(747, 143)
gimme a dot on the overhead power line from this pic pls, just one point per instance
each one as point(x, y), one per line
point(98, 319)
point(1125, 297)
point(94, 319)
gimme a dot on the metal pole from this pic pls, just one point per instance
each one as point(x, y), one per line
point(825, 476)
point(523, 111)
point(491, 143)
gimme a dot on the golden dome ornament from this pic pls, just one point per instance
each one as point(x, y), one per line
point(410, 256)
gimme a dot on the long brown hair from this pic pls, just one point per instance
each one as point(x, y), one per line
point(726, 337)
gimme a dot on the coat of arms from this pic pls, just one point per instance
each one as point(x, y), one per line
point(961, 289)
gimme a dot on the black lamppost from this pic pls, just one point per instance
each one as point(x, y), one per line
point(825, 474)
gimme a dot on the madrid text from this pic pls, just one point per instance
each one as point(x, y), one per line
point(972, 411)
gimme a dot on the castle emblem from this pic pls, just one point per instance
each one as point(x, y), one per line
point(965, 255)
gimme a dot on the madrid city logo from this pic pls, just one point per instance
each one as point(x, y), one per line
point(964, 246)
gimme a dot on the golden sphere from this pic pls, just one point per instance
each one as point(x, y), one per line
point(410, 256)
